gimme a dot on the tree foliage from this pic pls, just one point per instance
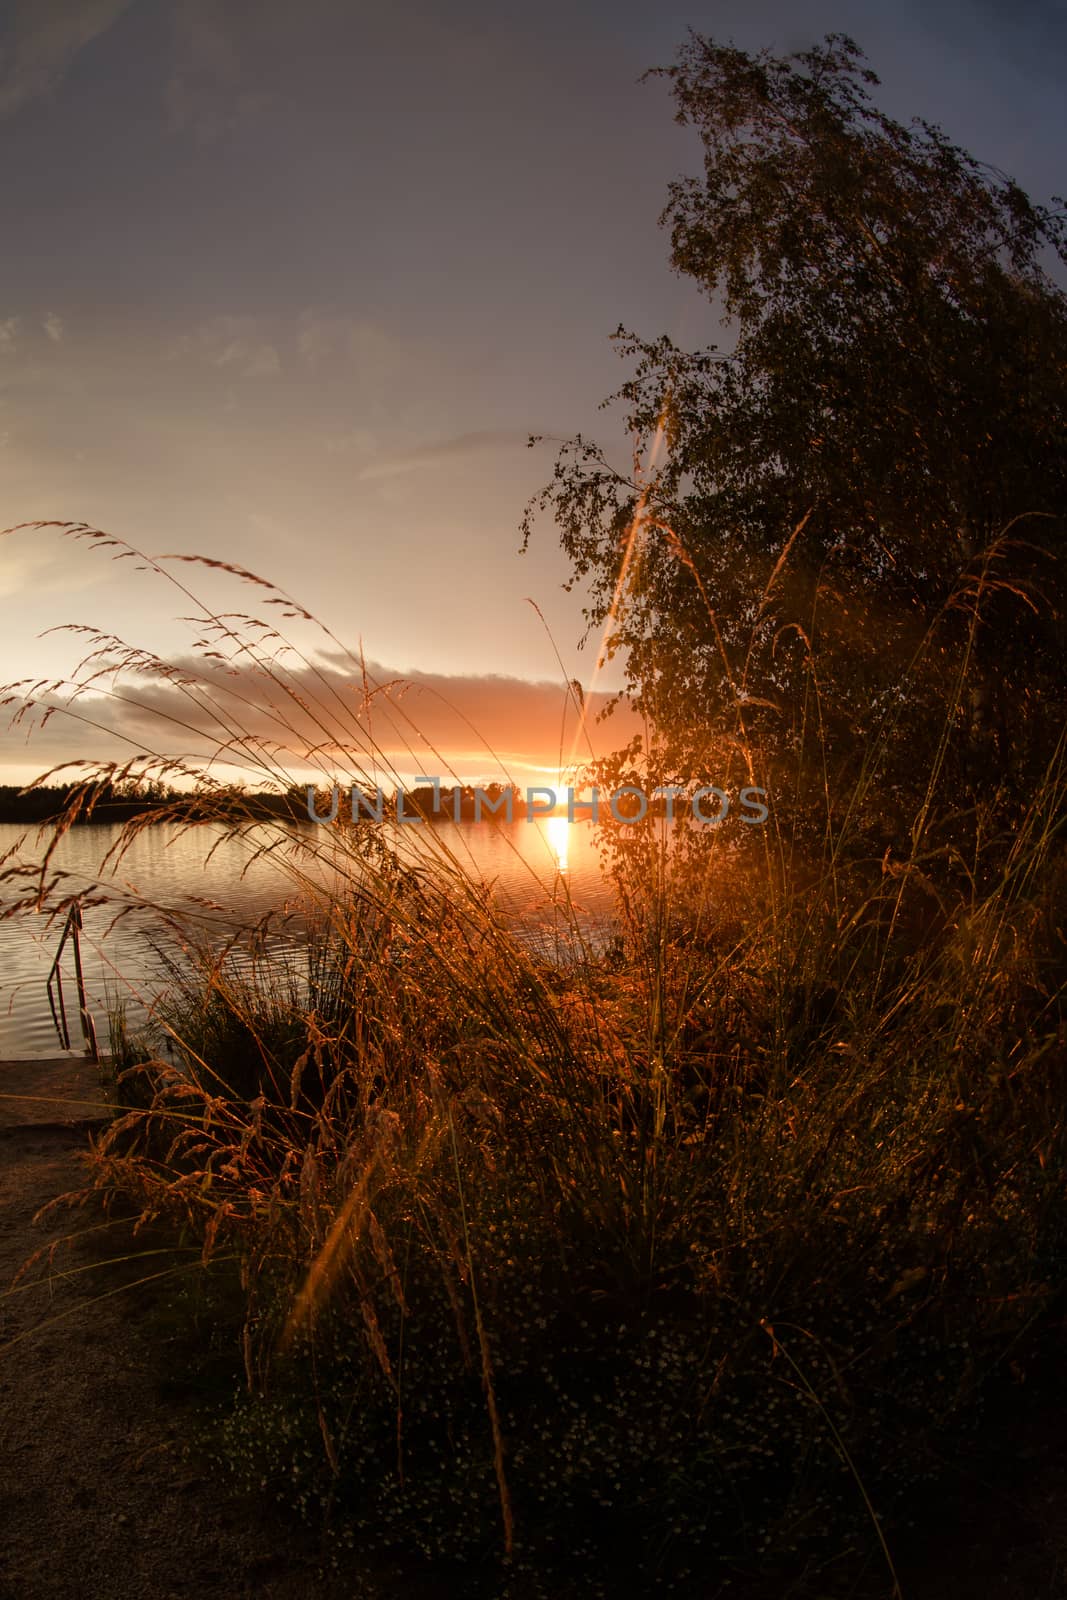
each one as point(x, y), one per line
point(856, 514)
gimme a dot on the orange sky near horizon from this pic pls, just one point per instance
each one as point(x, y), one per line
point(290, 287)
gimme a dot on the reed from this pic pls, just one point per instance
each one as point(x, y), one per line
point(687, 1255)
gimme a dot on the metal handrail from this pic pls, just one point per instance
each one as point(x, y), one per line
point(72, 928)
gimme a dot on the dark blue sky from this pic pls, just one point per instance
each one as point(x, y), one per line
point(290, 284)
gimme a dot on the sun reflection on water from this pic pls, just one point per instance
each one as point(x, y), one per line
point(557, 831)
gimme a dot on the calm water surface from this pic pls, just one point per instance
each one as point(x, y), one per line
point(207, 881)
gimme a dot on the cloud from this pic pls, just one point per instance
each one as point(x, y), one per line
point(251, 359)
point(8, 330)
point(327, 345)
point(358, 441)
point(324, 337)
point(33, 569)
point(53, 327)
point(390, 379)
point(232, 343)
point(207, 94)
point(42, 40)
point(460, 445)
point(205, 112)
point(468, 726)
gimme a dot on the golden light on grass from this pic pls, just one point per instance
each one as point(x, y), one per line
point(511, 1201)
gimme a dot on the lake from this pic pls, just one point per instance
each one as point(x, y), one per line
point(538, 869)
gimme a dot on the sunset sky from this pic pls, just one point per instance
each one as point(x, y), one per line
point(290, 285)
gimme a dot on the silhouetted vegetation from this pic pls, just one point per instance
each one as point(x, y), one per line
point(872, 480)
point(698, 1256)
point(102, 801)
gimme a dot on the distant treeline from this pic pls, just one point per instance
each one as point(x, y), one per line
point(106, 802)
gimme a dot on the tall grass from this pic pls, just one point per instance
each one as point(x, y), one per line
point(590, 1268)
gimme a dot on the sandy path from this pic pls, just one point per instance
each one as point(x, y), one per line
point(97, 1494)
point(100, 1493)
